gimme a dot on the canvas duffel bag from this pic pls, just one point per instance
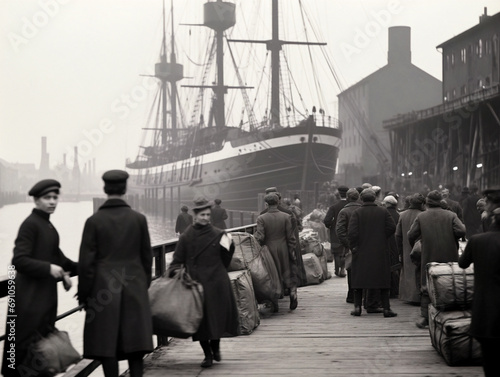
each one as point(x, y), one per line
point(449, 286)
point(241, 283)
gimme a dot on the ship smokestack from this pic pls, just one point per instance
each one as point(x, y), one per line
point(44, 160)
point(399, 45)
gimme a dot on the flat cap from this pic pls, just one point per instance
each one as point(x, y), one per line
point(391, 200)
point(352, 194)
point(493, 194)
point(377, 189)
point(271, 189)
point(115, 176)
point(271, 198)
point(434, 197)
point(343, 189)
point(43, 187)
point(368, 195)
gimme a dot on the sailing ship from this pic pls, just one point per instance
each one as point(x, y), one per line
point(234, 162)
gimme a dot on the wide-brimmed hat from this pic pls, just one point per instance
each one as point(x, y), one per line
point(201, 203)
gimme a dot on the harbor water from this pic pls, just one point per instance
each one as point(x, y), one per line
point(69, 220)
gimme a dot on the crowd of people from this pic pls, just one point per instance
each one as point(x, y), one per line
point(382, 244)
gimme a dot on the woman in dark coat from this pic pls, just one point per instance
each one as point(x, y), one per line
point(369, 230)
point(484, 251)
point(114, 276)
point(39, 265)
point(391, 203)
point(207, 251)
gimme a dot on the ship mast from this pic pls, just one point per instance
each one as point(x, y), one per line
point(274, 45)
point(168, 72)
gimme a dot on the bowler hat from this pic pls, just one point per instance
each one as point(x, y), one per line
point(201, 203)
point(43, 187)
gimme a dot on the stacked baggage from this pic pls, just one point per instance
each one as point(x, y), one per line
point(451, 292)
point(241, 283)
point(314, 257)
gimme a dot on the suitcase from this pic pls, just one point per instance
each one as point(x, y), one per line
point(450, 337)
point(241, 283)
point(449, 286)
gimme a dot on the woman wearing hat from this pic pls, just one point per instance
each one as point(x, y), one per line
point(206, 251)
point(39, 265)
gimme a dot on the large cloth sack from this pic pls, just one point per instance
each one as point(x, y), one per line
point(309, 242)
point(328, 250)
point(176, 305)
point(449, 286)
point(265, 278)
point(49, 355)
point(246, 248)
point(314, 272)
point(241, 283)
point(450, 337)
point(324, 265)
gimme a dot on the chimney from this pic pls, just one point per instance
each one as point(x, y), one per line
point(44, 160)
point(399, 45)
point(484, 16)
point(64, 159)
point(93, 167)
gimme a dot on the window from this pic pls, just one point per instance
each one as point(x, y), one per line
point(447, 61)
point(454, 94)
point(463, 55)
point(480, 84)
point(464, 90)
point(480, 48)
point(487, 47)
point(452, 59)
point(487, 81)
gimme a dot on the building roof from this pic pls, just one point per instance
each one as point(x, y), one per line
point(488, 21)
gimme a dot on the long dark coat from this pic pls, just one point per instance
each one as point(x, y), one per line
point(472, 217)
point(217, 217)
point(274, 229)
point(114, 276)
point(36, 248)
point(439, 230)
point(484, 251)
point(206, 261)
point(301, 272)
point(330, 222)
point(343, 222)
point(183, 221)
point(408, 290)
point(369, 230)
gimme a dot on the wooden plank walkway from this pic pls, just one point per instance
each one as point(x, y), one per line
point(320, 338)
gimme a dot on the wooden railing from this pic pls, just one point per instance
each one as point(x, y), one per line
point(86, 366)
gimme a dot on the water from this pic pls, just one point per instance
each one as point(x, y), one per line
point(69, 220)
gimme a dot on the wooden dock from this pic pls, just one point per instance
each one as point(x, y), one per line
point(320, 338)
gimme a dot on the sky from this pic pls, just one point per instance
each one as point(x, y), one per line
point(71, 69)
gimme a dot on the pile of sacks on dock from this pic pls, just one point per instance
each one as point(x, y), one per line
point(314, 256)
point(451, 290)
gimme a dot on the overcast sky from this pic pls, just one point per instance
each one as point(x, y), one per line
point(70, 69)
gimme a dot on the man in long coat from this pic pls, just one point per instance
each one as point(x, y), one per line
point(39, 264)
point(114, 276)
point(219, 215)
point(330, 221)
point(369, 230)
point(439, 230)
point(342, 230)
point(391, 203)
point(301, 272)
point(472, 217)
point(484, 251)
point(408, 289)
point(274, 229)
point(183, 220)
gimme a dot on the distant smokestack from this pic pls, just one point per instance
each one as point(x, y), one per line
point(399, 45)
point(44, 160)
point(484, 16)
point(64, 159)
point(93, 167)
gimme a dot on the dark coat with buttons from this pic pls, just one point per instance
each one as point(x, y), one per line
point(206, 260)
point(484, 251)
point(36, 248)
point(114, 276)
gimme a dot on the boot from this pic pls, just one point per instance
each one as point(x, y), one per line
point(357, 311)
point(388, 313)
point(422, 323)
point(215, 347)
point(342, 273)
point(293, 298)
point(208, 360)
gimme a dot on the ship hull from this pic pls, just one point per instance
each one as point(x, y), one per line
point(290, 159)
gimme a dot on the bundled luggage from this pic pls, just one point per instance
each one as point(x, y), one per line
point(241, 283)
point(250, 255)
point(450, 337)
point(309, 242)
point(450, 287)
point(314, 271)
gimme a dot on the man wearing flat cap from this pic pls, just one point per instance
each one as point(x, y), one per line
point(116, 258)
point(274, 229)
point(299, 271)
point(39, 264)
point(330, 222)
point(439, 231)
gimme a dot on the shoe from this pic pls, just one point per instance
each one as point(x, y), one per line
point(216, 355)
point(293, 301)
point(342, 273)
point(388, 313)
point(422, 323)
point(357, 311)
point(207, 362)
point(374, 311)
point(349, 300)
